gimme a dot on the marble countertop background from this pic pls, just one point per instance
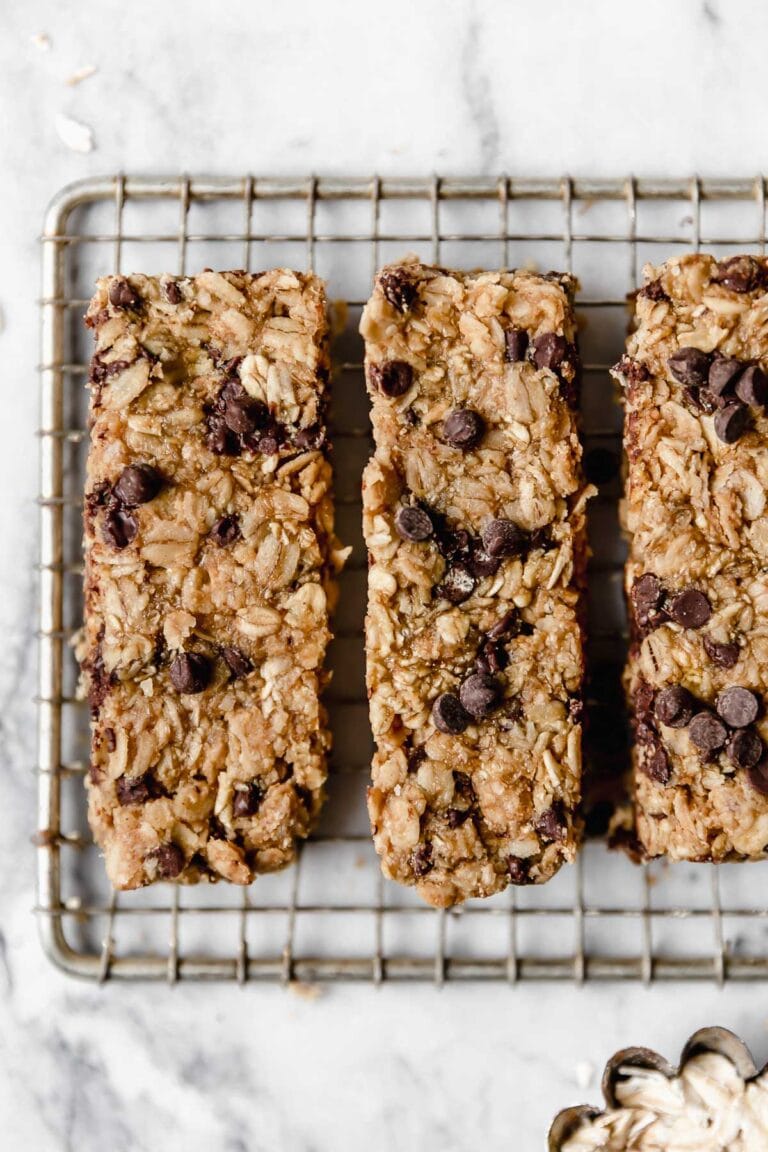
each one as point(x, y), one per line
point(597, 88)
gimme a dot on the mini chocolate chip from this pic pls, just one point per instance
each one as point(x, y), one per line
point(690, 366)
point(233, 392)
point(399, 288)
point(690, 609)
point(481, 564)
point(646, 594)
point(457, 584)
point(172, 292)
point(190, 672)
point(267, 445)
point(453, 544)
point(219, 438)
point(393, 378)
point(724, 655)
point(169, 859)
point(518, 870)
point(731, 422)
point(455, 817)
point(504, 538)
point(552, 824)
point(464, 429)
point(122, 295)
point(133, 790)
point(722, 374)
point(752, 386)
point(492, 657)
point(237, 662)
point(504, 625)
point(100, 372)
point(239, 417)
point(420, 860)
point(758, 776)
point(515, 344)
point(119, 527)
point(481, 695)
point(707, 732)
point(449, 715)
point(246, 801)
point(737, 706)
point(225, 531)
point(600, 465)
point(655, 763)
point(550, 351)
point(674, 706)
point(137, 484)
point(414, 524)
point(745, 748)
point(740, 274)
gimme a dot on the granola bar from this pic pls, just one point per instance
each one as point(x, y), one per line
point(697, 581)
point(474, 520)
point(210, 555)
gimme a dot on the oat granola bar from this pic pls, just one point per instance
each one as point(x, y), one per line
point(474, 521)
point(209, 560)
point(697, 573)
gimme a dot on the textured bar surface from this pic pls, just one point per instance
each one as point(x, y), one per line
point(474, 522)
point(209, 561)
point(697, 575)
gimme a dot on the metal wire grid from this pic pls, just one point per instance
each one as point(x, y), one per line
point(601, 919)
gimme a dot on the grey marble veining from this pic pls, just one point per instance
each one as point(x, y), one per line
point(458, 87)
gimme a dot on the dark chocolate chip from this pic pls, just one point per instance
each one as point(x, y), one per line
point(414, 524)
point(518, 870)
point(515, 344)
point(246, 801)
point(219, 438)
point(550, 351)
point(307, 439)
point(707, 732)
point(393, 378)
point(457, 584)
point(122, 295)
point(655, 763)
point(233, 392)
point(552, 824)
point(653, 290)
point(690, 366)
point(481, 695)
point(464, 429)
point(504, 625)
point(190, 672)
point(737, 706)
point(492, 657)
point(237, 662)
point(225, 531)
point(745, 748)
point(133, 790)
point(646, 594)
point(723, 373)
point(453, 544)
point(724, 655)
point(752, 386)
point(239, 417)
point(504, 538)
point(690, 609)
point(731, 422)
point(758, 776)
point(449, 715)
point(399, 288)
point(420, 860)
point(482, 565)
point(455, 817)
point(601, 465)
point(740, 274)
point(119, 527)
point(172, 292)
point(137, 484)
point(169, 859)
point(674, 706)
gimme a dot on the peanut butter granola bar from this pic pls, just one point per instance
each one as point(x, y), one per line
point(697, 575)
point(210, 555)
point(474, 521)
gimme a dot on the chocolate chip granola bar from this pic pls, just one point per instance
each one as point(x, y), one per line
point(697, 575)
point(210, 554)
point(474, 522)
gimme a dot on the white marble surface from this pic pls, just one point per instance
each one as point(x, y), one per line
point(406, 87)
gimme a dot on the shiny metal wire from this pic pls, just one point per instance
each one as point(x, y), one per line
point(100, 935)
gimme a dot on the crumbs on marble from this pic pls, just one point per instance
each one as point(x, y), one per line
point(305, 991)
point(41, 41)
point(76, 135)
point(81, 74)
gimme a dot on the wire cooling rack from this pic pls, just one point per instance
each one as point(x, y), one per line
point(331, 916)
